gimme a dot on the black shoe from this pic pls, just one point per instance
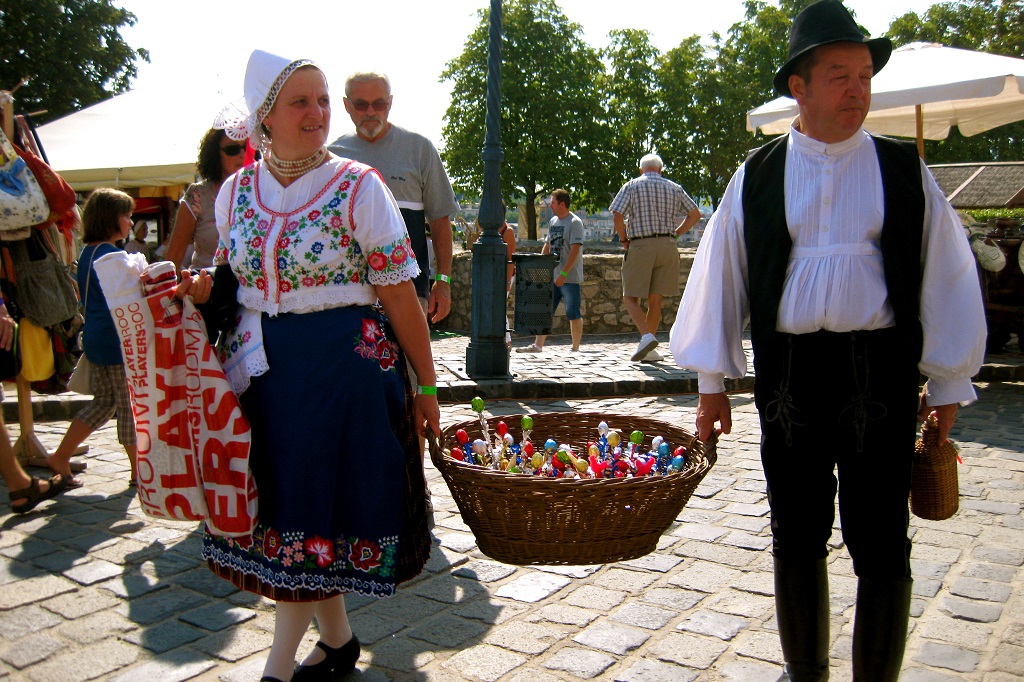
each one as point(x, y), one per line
point(336, 663)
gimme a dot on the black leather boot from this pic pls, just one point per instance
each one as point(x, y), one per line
point(802, 612)
point(880, 628)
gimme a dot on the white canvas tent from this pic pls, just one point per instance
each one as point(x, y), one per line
point(147, 137)
point(923, 91)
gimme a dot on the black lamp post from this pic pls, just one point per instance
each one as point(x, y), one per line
point(487, 355)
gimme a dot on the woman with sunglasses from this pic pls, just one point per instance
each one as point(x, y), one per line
point(315, 241)
point(194, 225)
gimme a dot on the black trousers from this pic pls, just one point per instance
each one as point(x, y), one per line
point(839, 413)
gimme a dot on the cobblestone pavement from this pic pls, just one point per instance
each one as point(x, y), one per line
point(91, 589)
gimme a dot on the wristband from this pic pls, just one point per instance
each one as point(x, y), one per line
point(443, 278)
point(426, 390)
point(563, 273)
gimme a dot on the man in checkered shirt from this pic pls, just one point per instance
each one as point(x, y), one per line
point(647, 211)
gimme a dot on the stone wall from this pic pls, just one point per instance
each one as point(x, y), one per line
point(603, 312)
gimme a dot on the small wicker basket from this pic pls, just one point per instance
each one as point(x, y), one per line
point(934, 489)
point(521, 519)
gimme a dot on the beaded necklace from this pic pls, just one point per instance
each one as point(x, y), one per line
point(293, 169)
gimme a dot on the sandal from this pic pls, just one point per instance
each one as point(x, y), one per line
point(34, 495)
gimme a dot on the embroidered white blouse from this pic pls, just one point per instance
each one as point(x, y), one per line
point(324, 241)
point(835, 280)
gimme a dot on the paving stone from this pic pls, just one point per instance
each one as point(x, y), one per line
point(611, 637)
point(163, 604)
point(690, 516)
point(484, 571)
point(697, 531)
point(740, 604)
point(633, 582)
point(87, 664)
point(970, 610)
point(956, 631)
point(176, 666)
point(96, 627)
point(646, 670)
point(1009, 659)
point(751, 671)
point(234, 644)
point(757, 582)
point(580, 662)
point(946, 656)
point(928, 569)
point(999, 555)
point(661, 563)
point(973, 588)
point(673, 597)
point(751, 524)
point(694, 651)
point(746, 540)
point(56, 562)
point(577, 572)
point(706, 576)
point(165, 636)
point(406, 607)
point(449, 632)
point(923, 587)
point(732, 556)
point(203, 581)
point(459, 542)
point(529, 675)
point(92, 572)
point(989, 571)
point(763, 646)
point(526, 638)
point(592, 597)
point(25, 620)
point(134, 584)
point(991, 507)
point(489, 612)
point(30, 650)
point(714, 624)
point(33, 590)
point(372, 628)
point(403, 654)
point(533, 587)
point(643, 616)
point(216, 617)
point(923, 675)
point(567, 614)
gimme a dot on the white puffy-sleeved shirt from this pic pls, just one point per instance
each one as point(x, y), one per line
point(835, 279)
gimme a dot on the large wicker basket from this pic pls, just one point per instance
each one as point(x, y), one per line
point(934, 488)
point(521, 519)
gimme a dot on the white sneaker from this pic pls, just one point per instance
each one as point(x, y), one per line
point(653, 356)
point(532, 348)
point(647, 343)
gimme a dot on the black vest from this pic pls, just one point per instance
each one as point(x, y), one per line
point(766, 235)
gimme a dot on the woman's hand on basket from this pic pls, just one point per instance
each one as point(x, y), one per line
point(197, 286)
point(712, 408)
point(427, 414)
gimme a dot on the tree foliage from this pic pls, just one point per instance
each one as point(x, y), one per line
point(70, 50)
point(983, 25)
point(552, 118)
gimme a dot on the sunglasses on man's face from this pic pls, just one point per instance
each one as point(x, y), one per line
point(233, 149)
point(363, 105)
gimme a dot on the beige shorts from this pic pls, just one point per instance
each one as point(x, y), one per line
point(651, 266)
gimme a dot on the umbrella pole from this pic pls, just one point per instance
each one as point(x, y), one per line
point(919, 115)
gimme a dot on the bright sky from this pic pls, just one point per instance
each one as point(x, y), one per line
point(199, 48)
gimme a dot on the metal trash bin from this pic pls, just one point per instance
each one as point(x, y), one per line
point(535, 294)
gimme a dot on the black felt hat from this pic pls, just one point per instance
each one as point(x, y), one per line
point(822, 23)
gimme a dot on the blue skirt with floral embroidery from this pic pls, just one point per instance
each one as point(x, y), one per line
point(333, 451)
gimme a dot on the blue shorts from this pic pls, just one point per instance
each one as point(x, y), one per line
point(572, 296)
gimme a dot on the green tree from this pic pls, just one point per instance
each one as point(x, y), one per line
point(552, 120)
point(631, 87)
point(70, 50)
point(984, 25)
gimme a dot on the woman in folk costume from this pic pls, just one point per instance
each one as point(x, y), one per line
point(314, 242)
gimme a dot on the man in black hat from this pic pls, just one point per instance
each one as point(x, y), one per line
point(856, 277)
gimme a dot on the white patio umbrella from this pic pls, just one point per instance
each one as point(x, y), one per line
point(924, 90)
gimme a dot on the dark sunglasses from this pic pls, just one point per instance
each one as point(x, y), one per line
point(233, 149)
point(378, 105)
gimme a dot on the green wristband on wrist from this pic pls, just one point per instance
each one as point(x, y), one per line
point(563, 273)
point(426, 390)
point(443, 278)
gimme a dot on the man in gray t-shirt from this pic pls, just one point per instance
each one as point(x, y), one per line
point(412, 170)
point(565, 240)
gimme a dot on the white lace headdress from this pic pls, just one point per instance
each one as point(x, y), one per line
point(265, 74)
